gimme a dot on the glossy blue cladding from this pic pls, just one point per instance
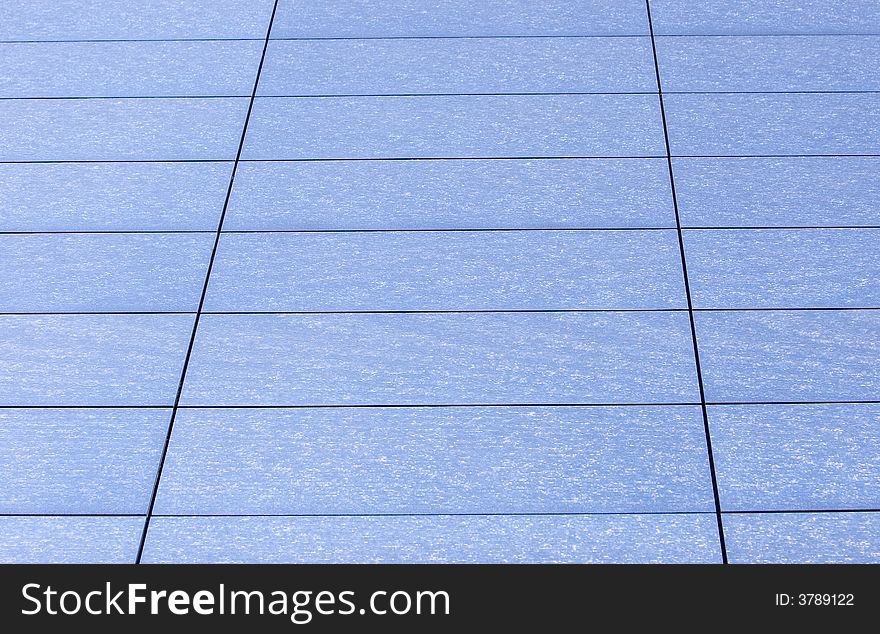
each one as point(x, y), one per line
point(475, 126)
point(452, 358)
point(458, 18)
point(451, 270)
point(82, 460)
point(369, 195)
point(458, 65)
point(414, 281)
point(112, 196)
point(436, 539)
point(363, 460)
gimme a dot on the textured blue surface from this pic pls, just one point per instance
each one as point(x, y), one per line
point(790, 355)
point(784, 457)
point(449, 126)
point(120, 129)
point(408, 18)
point(497, 270)
point(447, 317)
point(784, 268)
point(417, 359)
point(536, 194)
point(112, 196)
point(816, 191)
point(773, 124)
point(800, 63)
point(364, 460)
point(79, 460)
point(103, 272)
point(803, 538)
point(128, 69)
point(438, 539)
point(436, 66)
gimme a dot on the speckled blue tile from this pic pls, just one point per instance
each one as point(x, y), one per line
point(103, 272)
point(797, 191)
point(777, 124)
point(784, 268)
point(91, 359)
point(424, 270)
point(790, 457)
point(747, 17)
point(491, 358)
point(112, 196)
point(436, 66)
point(803, 538)
point(790, 355)
point(443, 539)
point(480, 194)
point(799, 63)
point(69, 540)
point(120, 129)
point(394, 18)
point(129, 69)
point(134, 19)
point(455, 126)
point(411, 460)
point(79, 460)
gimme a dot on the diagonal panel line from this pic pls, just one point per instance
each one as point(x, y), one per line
point(687, 290)
point(198, 315)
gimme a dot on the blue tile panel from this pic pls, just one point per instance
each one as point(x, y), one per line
point(112, 196)
point(417, 359)
point(784, 457)
point(438, 539)
point(69, 540)
point(535, 194)
point(409, 18)
point(91, 359)
point(103, 272)
point(782, 192)
point(129, 69)
point(747, 17)
point(790, 355)
point(506, 270)
point(134, 19)
point(437, 66)
point(773, 124)
point(120, 129)
point(742, 64)
point(464, 459)
point(803, 538)
point(455, 126)
point(99, 461)
point(784, 268)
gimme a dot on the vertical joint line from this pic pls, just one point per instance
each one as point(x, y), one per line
point(218, 232)
point(687, 289)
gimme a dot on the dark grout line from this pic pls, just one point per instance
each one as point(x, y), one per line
point(444, 94)
point(449, 405)
point(204, 293)
point(451, 311)
point(799, 511)
point(687, 290)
